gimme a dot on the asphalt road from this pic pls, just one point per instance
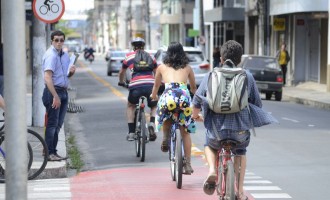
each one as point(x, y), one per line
point(288, 160)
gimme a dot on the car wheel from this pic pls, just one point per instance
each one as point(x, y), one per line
point(278, 96)
point(268, 95)
point(109, 73)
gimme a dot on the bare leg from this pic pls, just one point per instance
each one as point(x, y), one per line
point(186, 141)
point(130, 112)
point(240, 160)
point(153, 111)
point(166, 129)
point(211, 155)
point(187, 150)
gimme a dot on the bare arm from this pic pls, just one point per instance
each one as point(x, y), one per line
point(50, 85)
point(158, 80)
point(192, 81)
point(122, 74)
point(2, 103)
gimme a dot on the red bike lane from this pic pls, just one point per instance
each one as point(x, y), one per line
point(138, 184)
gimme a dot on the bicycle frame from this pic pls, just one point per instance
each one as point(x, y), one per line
point(225, 173)
point(176, 154)
point(141, 131)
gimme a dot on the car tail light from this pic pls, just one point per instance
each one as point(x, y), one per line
point(279, 79)
point(204, 66)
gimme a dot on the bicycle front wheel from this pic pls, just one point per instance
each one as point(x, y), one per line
point(3, 156)
point(143, 136)
point(178, 159)
point(230, 181)
point(40, 153)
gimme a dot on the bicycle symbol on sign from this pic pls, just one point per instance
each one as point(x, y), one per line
point(47, 7)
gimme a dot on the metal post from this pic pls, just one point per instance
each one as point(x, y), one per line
point(14, 55)
point(39, 45)
point(328, 68)
point(182, 23)
point(201, 25)
point(148, 41)
point(261, 13)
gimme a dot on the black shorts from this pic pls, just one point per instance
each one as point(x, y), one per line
point(135, 93)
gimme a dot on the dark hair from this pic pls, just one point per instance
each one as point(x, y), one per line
point(57, 33)
point(175, 56)
point(233, 51)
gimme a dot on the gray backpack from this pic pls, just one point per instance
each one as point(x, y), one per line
point(227, 89)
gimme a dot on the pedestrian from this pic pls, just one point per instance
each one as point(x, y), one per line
point(175, 73)
point(143, 67)
point(216, 57)
point(229, 126)
point(283, 58)
point(55, 65)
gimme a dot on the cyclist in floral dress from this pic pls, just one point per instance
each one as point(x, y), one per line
point(175, 72)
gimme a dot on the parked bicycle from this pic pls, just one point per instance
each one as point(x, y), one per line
point(225, 184)
point(3, 157)
point(39, 154)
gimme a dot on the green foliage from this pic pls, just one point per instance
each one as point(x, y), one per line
point(74, 154)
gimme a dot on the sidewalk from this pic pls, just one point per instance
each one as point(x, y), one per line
point(308, 93)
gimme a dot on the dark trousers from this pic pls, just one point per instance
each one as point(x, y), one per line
point(55, 117)
point(284, 70)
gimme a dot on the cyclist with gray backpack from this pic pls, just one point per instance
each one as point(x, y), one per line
point(231, 106)
point(143, 68)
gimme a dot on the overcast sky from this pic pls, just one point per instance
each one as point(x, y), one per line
point(78, 5)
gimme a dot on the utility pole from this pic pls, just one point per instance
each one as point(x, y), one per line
point(130, 19)
point(39, 45)
point(201, 26)
point(147, 19)
point(14, 59)
point(182, 23)
point(261, 12)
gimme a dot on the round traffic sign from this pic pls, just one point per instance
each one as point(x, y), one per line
point(48, 11)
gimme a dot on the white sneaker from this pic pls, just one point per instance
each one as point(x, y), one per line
point(151, 128)
point(130, 136)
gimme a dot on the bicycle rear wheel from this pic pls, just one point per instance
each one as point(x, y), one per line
point(143, 136)
point(178, 159)
point(172, 155)
point(230, 181)
point(221, 181)
point(137, 131)
point(40, 153)
point(3, 156)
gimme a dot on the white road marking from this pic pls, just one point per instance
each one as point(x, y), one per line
point(291, 120)
point(271, 196)
point(258, 181)
point(261, 188)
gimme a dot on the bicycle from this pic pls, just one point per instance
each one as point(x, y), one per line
point(3, 157)
point(176, 154)
point(225, 184)
point(141, 131)
point(39, 152)
point(44, 9)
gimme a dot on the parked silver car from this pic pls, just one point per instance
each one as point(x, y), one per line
point(115, 61)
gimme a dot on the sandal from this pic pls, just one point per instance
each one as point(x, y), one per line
point(241, 196)
point(209, 184)
point(164, 146)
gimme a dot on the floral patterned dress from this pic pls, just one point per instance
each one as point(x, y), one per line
point(175, 104)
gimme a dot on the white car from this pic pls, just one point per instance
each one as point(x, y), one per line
point(197, 61)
